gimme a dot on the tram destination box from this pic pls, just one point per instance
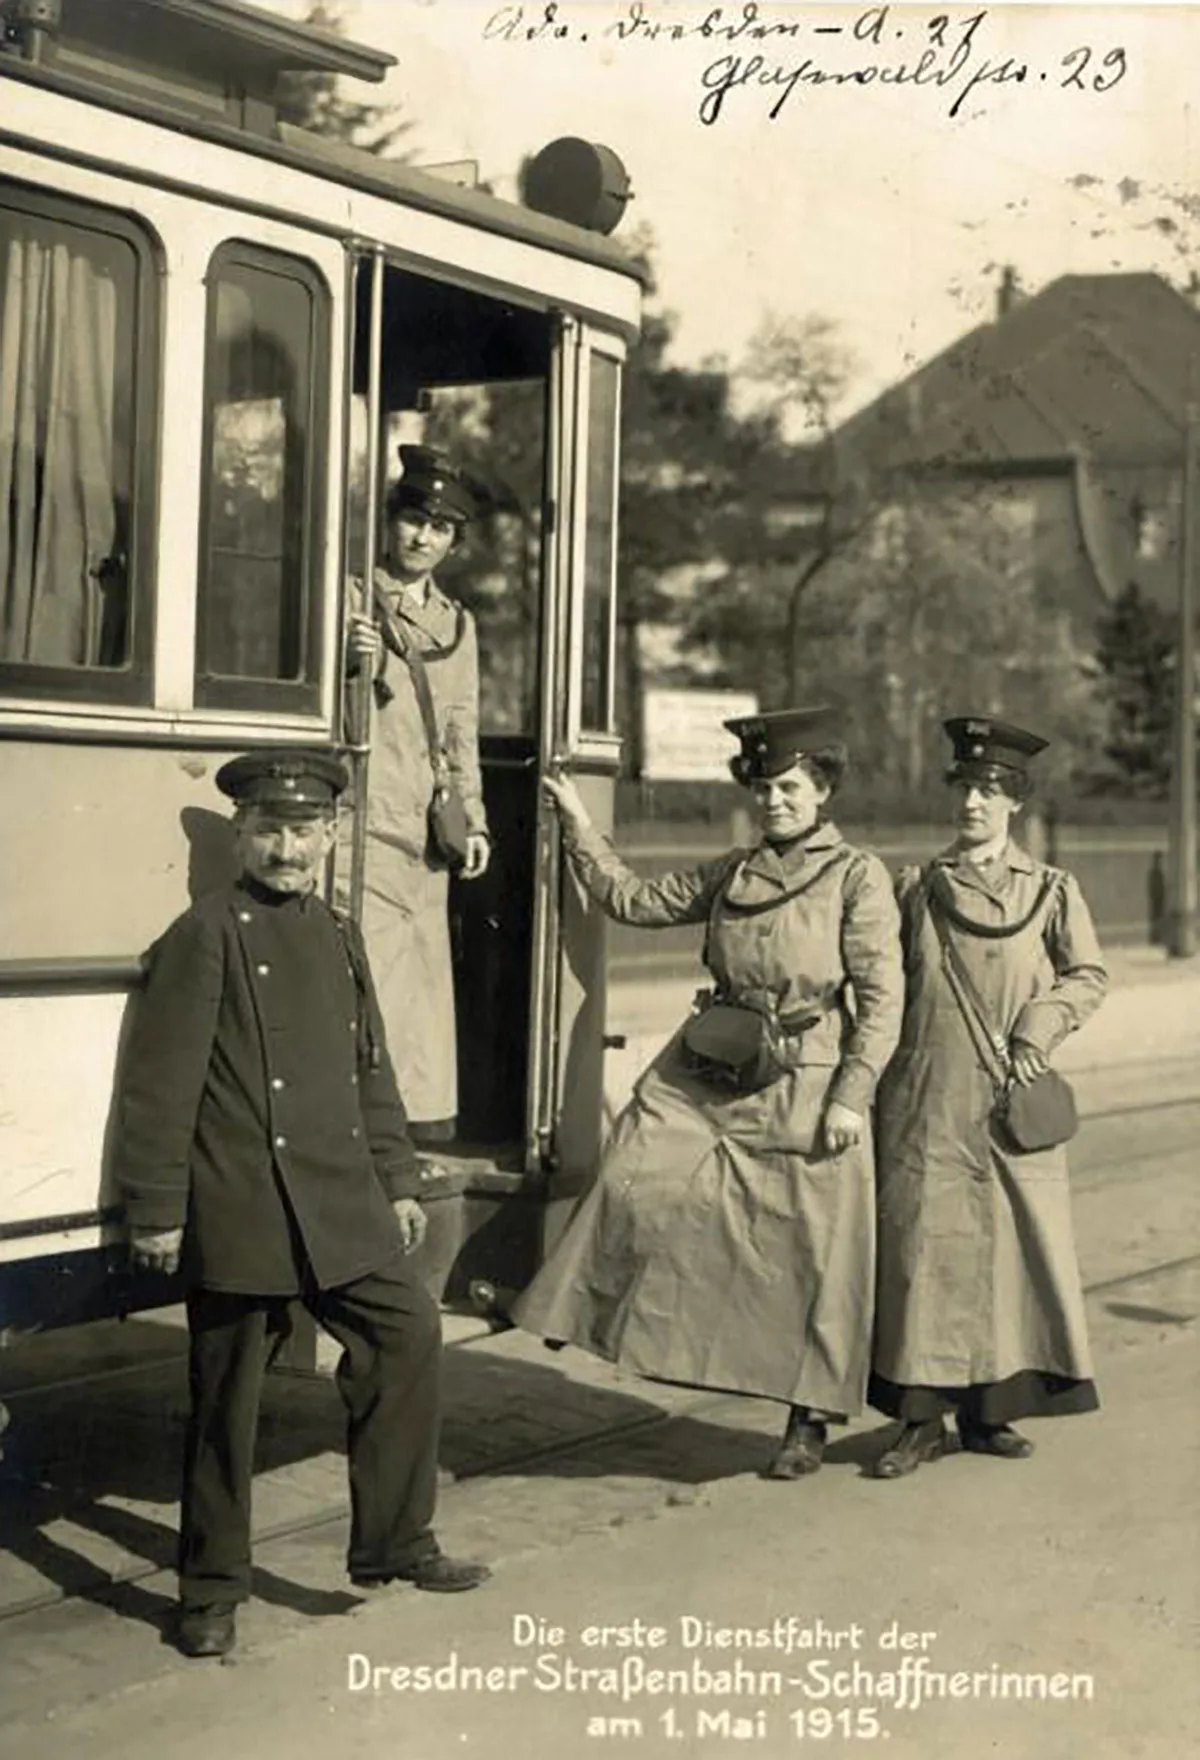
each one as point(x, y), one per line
point(684, 738)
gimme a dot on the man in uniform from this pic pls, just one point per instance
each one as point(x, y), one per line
point(263, 1146)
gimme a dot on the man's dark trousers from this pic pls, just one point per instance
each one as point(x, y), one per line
point(389, 1380)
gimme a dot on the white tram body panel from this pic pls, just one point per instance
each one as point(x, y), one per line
point(60, 1059)
point(170, 197)
point(470, 246)
point(112, 818)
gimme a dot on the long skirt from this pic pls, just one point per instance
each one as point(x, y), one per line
point(407, 934)
point(720, 1247)
point(979, 1305)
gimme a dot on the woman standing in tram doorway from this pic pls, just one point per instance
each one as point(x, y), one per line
point(729, 1240)
point(422, 648)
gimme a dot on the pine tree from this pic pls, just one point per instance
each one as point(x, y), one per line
point(314, 101)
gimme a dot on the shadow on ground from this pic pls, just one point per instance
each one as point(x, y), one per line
point(90, 1479)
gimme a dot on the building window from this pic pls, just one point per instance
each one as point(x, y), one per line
point(78, 355)
point(599, 564)
point(1151, 531)
point(258, 610)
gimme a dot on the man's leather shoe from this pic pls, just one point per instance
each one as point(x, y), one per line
point(433, 1571)
point(802, 1449)
point(206, 1631)
point(997, 1439)
point(444, 1575)
point(915, 1444)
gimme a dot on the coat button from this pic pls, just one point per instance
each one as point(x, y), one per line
point(244, 917)
point(281, 1142)
point(354, 1131)
point(262, 970)
point(353, 1025)
point(354, 1081)
point(277, 1082)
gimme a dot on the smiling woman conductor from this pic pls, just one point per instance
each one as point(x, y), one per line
point(728, 1242)
point(421, 646)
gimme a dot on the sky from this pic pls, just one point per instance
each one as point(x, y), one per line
point(888, 207)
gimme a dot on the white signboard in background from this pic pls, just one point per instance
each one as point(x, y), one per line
point(683, 737)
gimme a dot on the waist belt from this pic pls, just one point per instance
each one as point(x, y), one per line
point(790, 1024)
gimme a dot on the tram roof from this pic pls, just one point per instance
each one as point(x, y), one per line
point(291, 44)
point(232, 33)
point(104, 54)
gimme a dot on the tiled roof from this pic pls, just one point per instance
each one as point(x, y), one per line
point(1092, 363)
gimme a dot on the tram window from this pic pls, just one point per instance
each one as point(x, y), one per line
point(596, 699)
point(77, 370)
point(258, 627)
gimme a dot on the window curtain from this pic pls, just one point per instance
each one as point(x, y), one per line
point(58, 513)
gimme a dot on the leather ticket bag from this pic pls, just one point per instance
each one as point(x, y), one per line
point(731, 1047)
point(1041, 1114)
point(448, 829)
point(1036, 1115)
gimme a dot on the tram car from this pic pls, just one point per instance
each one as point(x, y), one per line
point(214, 329)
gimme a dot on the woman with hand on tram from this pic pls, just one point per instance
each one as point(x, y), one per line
point(728, 1242)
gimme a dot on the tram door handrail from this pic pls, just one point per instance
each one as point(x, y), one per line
point(362, 687)
point(544, 985)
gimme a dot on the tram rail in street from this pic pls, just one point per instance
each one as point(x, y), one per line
point(333, 1514)
point(530, 1459)
point(102, 1586)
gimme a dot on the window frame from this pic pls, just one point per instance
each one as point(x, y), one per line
point(131, 684)
point(585, 739)
point(220, 691)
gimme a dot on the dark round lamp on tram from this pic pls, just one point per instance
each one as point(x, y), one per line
point(578, 181)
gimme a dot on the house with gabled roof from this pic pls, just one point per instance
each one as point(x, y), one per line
point(1071, 406)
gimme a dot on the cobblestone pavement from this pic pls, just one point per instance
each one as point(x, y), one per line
point(572, 1448)
point(1082, 1562)
point(539, 1449)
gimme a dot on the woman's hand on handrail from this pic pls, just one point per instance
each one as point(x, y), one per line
point(363, 640)
point(566, 798)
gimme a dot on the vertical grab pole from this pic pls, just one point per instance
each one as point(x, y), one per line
point(539, 1135)
point(1181, 891)
point(361, 693)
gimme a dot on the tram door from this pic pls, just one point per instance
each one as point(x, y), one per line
point(481, 378)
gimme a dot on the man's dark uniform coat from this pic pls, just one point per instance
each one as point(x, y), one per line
point(258, 1101)
point(259, 1109)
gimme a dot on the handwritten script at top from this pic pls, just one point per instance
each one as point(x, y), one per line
point(775, 54)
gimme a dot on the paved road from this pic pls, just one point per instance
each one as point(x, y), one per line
point(1072, 1573)
point(1082, 1559)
